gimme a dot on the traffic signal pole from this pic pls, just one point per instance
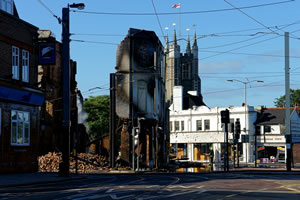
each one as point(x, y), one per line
point(225, 120)
point(236, 139)
point(226, 146)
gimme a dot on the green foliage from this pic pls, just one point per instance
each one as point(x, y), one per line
point(295, 99)
point(98, 115)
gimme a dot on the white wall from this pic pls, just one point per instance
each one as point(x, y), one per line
point(215, 134)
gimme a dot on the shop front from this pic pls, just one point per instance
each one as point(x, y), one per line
point(271, 149)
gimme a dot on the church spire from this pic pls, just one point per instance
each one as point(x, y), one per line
point(188, 45)
point(174, 38)
point(167, 42)
point(195, 41)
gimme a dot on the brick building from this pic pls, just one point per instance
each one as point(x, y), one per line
point(20, 98)
point(50, 81)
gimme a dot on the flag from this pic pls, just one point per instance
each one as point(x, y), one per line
point(176, 5)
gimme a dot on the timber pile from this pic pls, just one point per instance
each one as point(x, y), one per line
point(86, 162)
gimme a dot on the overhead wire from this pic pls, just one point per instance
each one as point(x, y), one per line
point(182, 13)
point(250, 16)
point(228, 51)
point(256, 19)
point(162, 32)
point(50, 11)
point(219, 34)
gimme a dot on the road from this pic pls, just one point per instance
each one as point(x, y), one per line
point(214, 186)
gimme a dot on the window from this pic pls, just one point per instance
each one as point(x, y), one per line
point(176, 125)
point(25, 66)
point(199, 125)
point(171, 126)
point(15, 63)
point(7, 6)
point(182, 125)
point(267, 129)
point(206, 124)
point(20, 128)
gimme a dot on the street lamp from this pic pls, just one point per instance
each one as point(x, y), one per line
point(64, 167)
point(245, 98)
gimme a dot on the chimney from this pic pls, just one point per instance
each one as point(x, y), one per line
point(260, 108)
point(178, 98)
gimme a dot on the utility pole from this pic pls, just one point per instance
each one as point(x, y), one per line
point(65, 165)
point(112, 119)
point(287, 102)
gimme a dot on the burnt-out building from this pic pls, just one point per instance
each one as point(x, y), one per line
point(20, 98)
point(140, 103)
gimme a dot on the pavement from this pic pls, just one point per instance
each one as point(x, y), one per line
point(22, 179)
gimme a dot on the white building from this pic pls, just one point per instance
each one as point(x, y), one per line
point(194, 131)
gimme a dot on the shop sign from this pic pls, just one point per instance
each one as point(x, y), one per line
point(47, 54)
point(260, 148)
point(280, 148)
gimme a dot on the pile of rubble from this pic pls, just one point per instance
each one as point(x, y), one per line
point(86, 162)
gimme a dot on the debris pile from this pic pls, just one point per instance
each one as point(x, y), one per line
point(86, 162)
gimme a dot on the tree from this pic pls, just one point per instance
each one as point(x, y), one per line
point(98, 115)
point(295, 99)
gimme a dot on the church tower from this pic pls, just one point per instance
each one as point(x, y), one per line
point(182, 69)
point(173, 72)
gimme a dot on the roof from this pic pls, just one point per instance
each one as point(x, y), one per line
point(272, 116)
point(189, 101)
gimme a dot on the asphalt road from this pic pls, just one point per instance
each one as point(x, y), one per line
point(214, 186)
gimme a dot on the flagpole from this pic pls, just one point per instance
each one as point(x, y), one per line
point(180, 25)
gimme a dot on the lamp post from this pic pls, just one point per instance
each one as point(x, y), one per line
point(64, 167)
point(245, 98)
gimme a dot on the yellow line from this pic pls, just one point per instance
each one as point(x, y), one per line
point(232, 195)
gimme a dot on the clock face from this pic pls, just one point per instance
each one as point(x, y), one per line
point(144, 53)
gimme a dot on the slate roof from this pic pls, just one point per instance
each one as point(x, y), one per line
point(272, 116)
point(189, 101)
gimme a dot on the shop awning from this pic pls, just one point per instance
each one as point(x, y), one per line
point(21, 96)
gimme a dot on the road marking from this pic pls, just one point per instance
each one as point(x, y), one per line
point(231, 195)
point(113, 196)
point(110, 190)
point(201, 191)
point(82, 194)
point(144, 198)
point(292, 189)
point(179, 193)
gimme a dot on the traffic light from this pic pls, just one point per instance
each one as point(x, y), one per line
point(237, 129)
point(225, 116)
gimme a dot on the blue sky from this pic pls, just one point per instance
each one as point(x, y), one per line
point(248, 52)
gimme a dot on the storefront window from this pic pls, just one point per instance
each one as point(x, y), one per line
point(202, 151)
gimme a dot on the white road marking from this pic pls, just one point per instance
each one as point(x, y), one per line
point(110, 190)
point(201, 191)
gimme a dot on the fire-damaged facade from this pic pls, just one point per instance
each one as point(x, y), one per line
point(138, 97)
